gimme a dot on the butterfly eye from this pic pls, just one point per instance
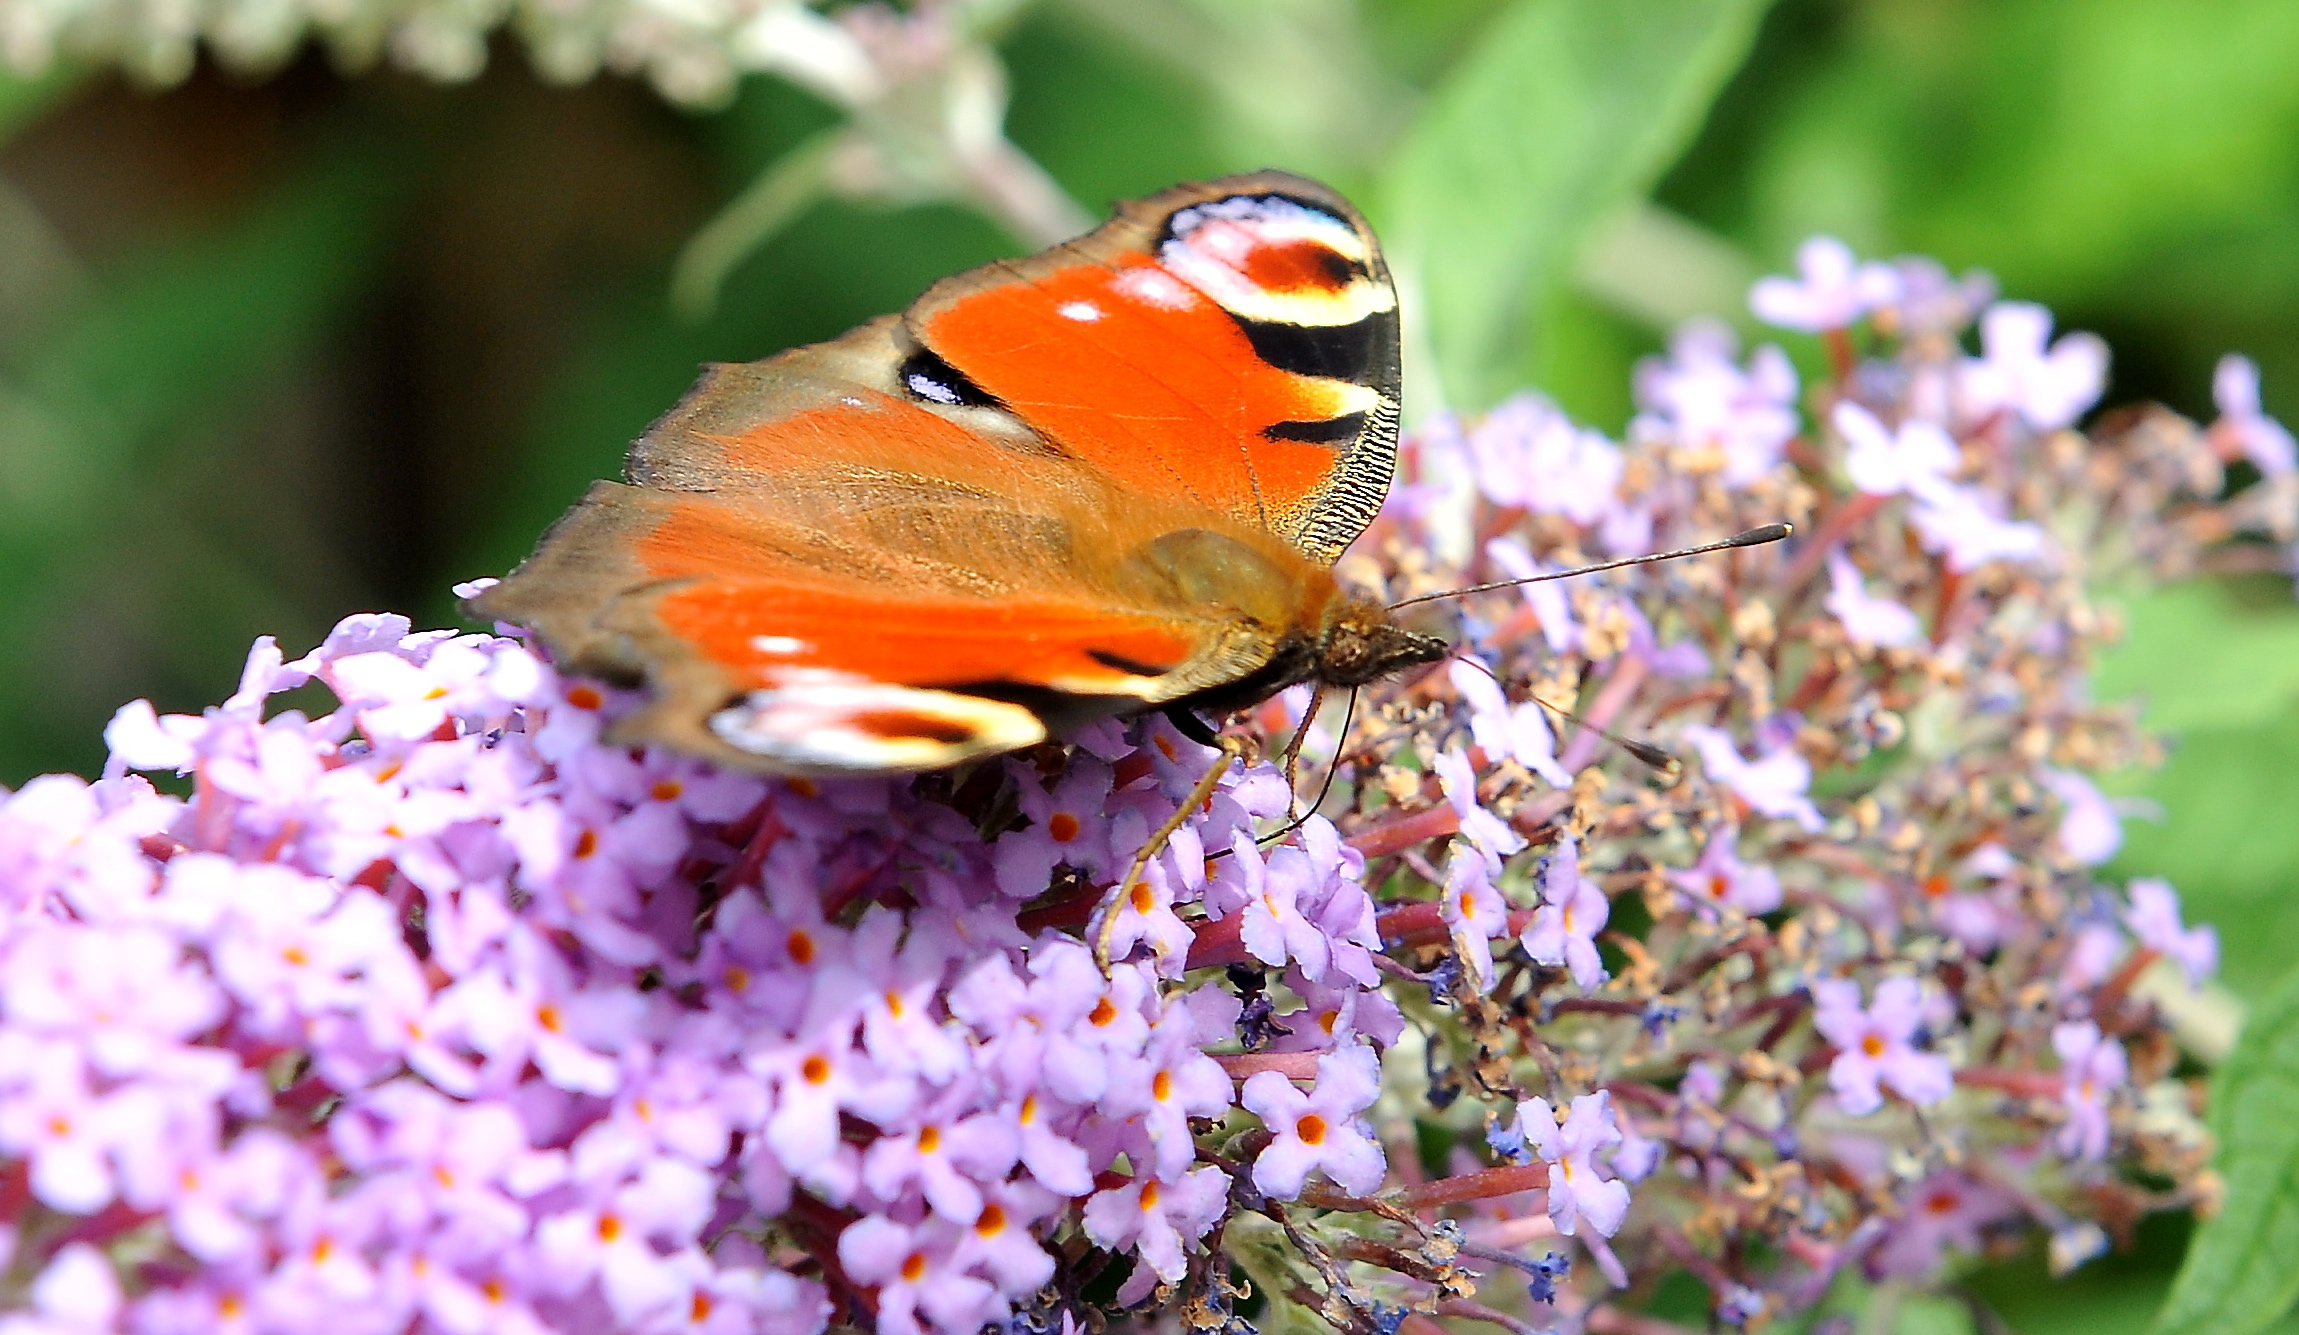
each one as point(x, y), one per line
point(930, 378)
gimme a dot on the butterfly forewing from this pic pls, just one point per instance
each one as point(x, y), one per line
point(1234, 343)
point(941, 534)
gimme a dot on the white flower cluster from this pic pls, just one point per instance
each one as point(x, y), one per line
point(691, 50)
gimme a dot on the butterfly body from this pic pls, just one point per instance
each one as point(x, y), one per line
point(1108, 478)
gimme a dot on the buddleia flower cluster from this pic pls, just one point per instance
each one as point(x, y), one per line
point(692, 53)
point(921, 92)
point(408, 1003)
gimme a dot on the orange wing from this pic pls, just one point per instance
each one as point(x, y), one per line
point(941, 534)
point(1234, 343)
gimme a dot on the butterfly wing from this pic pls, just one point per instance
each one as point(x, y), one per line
point(928, 541)
point(811, 572)
point(1232, 342)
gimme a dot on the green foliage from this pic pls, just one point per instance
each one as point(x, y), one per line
point(121, 499)
point(2133, 163)
point(178, 469)
point(2243, 1270)
point(1562, 113)
point(2221, 832)
point(2250, 676)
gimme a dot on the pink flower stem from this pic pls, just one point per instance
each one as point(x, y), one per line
point(1484, 1184)
point(1301, 1066)
point(1597, 1006)
point(1840, 356)
point(1692, 1259)
point(15, 1190)
point(1423, 923)
point(1217, 942)
point(1466, 1310)
point(2109, 998)
point(2027, 1084)
point(1951, 586)
point(1075, 911)
point(1402, 832)
point(765, 834)
point(1832, 530)
point(211, 814)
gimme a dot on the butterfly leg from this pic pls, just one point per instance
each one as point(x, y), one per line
point(1115, 899)
point(1190, 724)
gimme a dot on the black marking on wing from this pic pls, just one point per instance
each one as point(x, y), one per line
point(1130, 666)
point(934, 380)
point(1329, 431)
point(1364, 353)
point(1358, 487)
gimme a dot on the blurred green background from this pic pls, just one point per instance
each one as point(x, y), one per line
point(274, 350)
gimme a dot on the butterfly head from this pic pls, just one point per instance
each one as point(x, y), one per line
point(1361, 643)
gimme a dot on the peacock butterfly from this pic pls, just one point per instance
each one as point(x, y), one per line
point(1107, 478)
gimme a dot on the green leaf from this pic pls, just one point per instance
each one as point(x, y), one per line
point(2227, 841)
point(2251, 674)
point(23, 98)
point(2243, 1270)
point(138, 510)
point(1560, 116)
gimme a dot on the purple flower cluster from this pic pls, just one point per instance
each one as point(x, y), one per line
point(1818, 970)
point(438, 1011)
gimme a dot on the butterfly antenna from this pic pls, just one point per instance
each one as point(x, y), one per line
point(1658, 757)
point(1348, 715)
point(1755, 537)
